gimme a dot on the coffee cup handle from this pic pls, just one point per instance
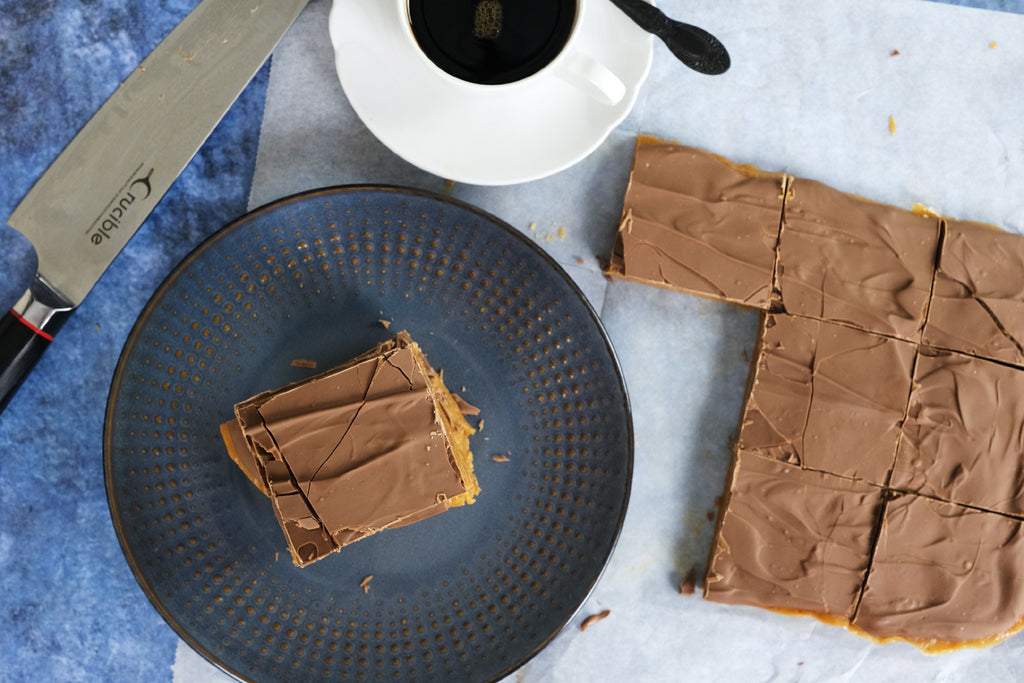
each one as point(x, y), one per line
point(592, 77)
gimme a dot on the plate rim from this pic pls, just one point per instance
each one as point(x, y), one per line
point(209, 241)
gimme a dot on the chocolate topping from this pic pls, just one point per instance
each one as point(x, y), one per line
point(943, 572)
point(978, 300)
point(338, 439)
point(890, 367)
point(698, 223)
point(964, 437)
point(792, 538)
point(827, 397)
point(851, 260)
point(358, 449)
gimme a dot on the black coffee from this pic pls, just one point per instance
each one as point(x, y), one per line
point(492, 41)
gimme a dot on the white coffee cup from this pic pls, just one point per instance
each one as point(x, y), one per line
point(571, 65)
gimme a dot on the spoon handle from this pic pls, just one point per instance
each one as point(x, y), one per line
point(692, 45)
point(647, 16)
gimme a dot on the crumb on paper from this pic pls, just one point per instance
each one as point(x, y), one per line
point(384, 323)
point(500, 458)
point(992, 45)
point(688, 586)
point(559, 234)
point(533, 226)
point(894, 53)
point(919, 209)
point(892, 126)
point(365, 583)
point(303, 363)
point(593, 619)
point(579, 261)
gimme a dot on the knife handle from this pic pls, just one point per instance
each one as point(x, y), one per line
point(25, 332)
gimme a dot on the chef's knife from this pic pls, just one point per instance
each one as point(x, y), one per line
point(101, 188)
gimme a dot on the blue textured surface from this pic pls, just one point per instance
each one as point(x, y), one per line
point(70, 609)
point(69, 606)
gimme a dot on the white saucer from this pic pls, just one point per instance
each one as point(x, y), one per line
point(515, 134)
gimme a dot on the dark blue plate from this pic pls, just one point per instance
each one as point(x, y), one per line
point(467, 595)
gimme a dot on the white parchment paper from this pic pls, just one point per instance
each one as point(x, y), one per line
point(811, 91)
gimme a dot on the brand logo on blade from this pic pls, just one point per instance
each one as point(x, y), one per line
point(137, 190)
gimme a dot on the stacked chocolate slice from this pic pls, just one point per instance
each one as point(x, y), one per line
point(878, 478)
point(373, 444)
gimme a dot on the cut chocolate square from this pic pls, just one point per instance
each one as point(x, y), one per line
point(978, 299)
point(792, 539)
point(963, 440)
point(851, 260)
point(697, 223)
point(827, 397)
point(936, 563)
point(375, 443)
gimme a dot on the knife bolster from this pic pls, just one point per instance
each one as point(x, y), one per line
point(41, 308)
point(25, 332)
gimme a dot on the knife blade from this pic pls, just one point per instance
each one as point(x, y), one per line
point(94, 196)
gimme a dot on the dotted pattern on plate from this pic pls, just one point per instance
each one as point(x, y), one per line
point(467, 595)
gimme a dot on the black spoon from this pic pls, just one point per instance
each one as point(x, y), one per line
point(695, 47)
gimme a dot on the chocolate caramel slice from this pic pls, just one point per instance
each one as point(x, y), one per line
point(376, 443)
point(855, 261)
point(978, 300)
point(698, 223)
point(963, 441)
point(943, 575)
point(792, 539)
point(827, 397)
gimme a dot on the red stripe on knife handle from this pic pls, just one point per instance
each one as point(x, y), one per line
point(44, 335)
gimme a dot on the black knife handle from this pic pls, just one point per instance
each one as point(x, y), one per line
point(25, 332)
